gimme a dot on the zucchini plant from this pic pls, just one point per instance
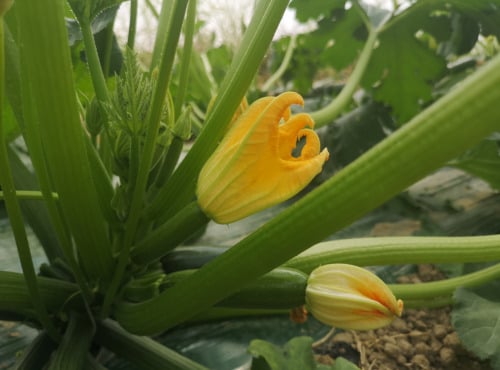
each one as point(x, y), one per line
point(91, 156)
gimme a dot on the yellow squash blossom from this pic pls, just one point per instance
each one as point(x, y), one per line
point(350, 297)
point(253, 167)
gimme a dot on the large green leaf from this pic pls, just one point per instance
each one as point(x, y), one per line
point(477, 322)
point(403, 67)
point(335, 42)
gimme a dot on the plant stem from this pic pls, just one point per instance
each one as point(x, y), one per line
point(328, 113)
point(153, 124)
point(96, 73)
point(142, 351)
point(441, 132)
point(444, 288)
point(52, 114)
point(395, 250)
point(169, 235)
point(283, 66)
point(186, 58)
point(132, 24)
point(14, 211)
point(30, 195)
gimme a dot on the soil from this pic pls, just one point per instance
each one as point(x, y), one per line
point(420, 339)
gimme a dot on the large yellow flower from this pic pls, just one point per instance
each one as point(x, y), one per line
point(253, 167)
point(350, 297)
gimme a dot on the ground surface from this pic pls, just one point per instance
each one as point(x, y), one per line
point(419, 340)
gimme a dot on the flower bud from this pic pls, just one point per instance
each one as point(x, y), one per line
point(254, 166)
point(350, 297)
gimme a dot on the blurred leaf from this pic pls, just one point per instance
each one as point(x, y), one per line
point(91, 10)
point(296, 354)
point(464, 34)
point(220, 59)
point(476, 321)
point(101, 21)
point(335, 42)
point(485, 12)
point(483, 161)
point(314, 9)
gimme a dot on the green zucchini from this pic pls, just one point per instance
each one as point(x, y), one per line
point(282, 288)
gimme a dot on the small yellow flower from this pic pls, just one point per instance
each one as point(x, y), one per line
point(350, 297)
point(253, 167)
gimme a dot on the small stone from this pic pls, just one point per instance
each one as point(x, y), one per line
point(400, 325)
point(419, 324)
point(421, 361)
point(401, 360)
point(392, 350)
point(345, 337)
point(446, 355)
point(452, 340)
point(439, 331)
point(422, 349)
point(405, 347)
point(435, 345)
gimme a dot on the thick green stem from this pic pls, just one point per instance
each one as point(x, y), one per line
point(328, 113)
point(454, 123)
point(16, 296)
point(396, 250)
point(141, 351)
point(74, 347)
point(52, 114)
point(14, 211)
point(169, 235)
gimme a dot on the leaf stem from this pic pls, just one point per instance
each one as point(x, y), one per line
point(169, 235)
point(14, 211)
point(395, 250)
point(445, 288)
point(283, 66)
point(142, 351)
point(96, 72)
point(30, 195)
point(328, 113)
point(132, 24)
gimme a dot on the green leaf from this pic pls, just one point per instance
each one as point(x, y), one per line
point(404, 67)
point(476, 321)
point(336, 42)
point(91, 9)
point(313, 9)
point(296, 354)
point(482, 161)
